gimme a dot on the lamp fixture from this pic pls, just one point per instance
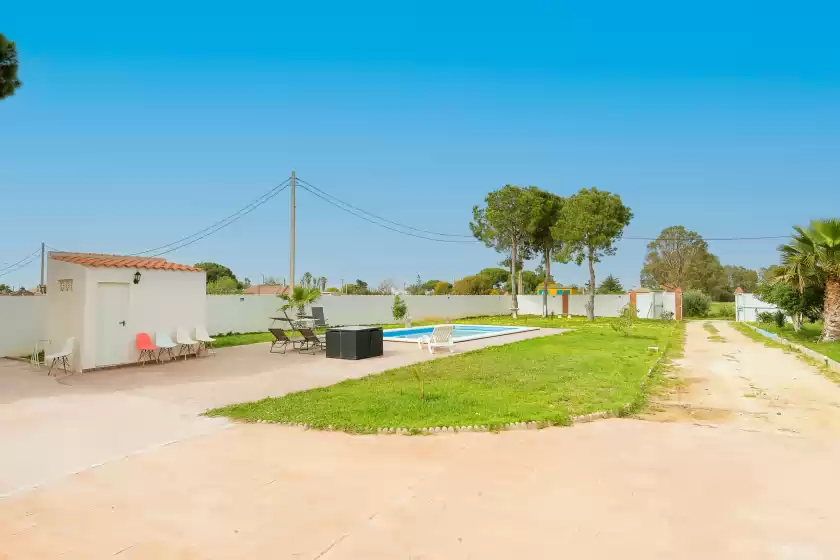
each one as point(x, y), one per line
point(137, 277)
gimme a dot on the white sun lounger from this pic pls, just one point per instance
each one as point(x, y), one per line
point(441, 337)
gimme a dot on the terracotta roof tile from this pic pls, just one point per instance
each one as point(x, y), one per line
point(119, 261)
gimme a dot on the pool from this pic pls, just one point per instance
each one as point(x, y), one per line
point(460, 333)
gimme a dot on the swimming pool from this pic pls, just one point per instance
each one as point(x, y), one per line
point(460, 333)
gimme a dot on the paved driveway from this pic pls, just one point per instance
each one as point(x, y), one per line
point(675, 488)
point(51, 429)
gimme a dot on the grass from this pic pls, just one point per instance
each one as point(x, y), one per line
point(808, 336)
point(714, 332)
point(547, 380)
point(722, 310)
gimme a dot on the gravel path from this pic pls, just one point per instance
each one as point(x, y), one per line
point(742, 384)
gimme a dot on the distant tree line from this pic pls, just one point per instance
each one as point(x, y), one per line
point(680, 258)
point(525, 222)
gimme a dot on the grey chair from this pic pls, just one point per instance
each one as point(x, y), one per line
point(320, 320)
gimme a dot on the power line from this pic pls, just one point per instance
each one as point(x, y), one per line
point(380, 217)
point(32, 258)
point(367, 219)
point(256, 203)
point(21, 260)
point(709, 238)
point(337, 200)
point(242, 215)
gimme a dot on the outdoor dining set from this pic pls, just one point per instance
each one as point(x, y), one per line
point(348, 343)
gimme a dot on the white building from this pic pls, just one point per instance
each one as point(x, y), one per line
point(105, 300)
point(748, 306)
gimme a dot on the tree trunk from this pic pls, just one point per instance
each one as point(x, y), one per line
point(547, 259)
point(590, 312)
point(514, 302)
point(831, 310)
point(797, 321)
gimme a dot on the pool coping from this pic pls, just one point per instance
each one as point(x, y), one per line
point(488, 334)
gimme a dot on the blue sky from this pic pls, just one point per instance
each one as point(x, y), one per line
point(137, 126)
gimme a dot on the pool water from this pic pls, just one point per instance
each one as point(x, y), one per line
point(460, 333)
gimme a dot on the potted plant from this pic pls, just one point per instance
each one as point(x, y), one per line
point(299, 298)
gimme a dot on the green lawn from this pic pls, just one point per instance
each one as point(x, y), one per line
point(807, 336)
point(722, 310)
point(546, 380)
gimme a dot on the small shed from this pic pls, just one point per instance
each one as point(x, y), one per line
point(105, 300)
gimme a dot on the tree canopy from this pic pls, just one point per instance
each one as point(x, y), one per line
point(812, 259)
point(472, 286)
point(503, 225)
point(591, 221)
point(216, 271)
point(545, 238)
point(9, 81)
point(740, 277)
point(680, 258)
point(610, 285)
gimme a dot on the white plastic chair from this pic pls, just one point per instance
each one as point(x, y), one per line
point(182, 337)
point(62, 355)
point(204, 340)
point(441, 338)
point(163, 340)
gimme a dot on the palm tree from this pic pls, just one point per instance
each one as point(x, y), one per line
point(306, 279)
point(813, 258)
point(300, 297)
point(322, 281)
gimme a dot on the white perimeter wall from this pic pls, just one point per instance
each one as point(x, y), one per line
point(176, 299)
point(22, 320)
point(251, 313)
point(748, 306)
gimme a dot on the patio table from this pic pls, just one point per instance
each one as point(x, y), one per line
point(354, 343)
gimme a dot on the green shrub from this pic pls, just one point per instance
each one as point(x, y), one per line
point(624, 322)
point(696, 304)
point(779, 318)
point(765, 317)
point(400, 309)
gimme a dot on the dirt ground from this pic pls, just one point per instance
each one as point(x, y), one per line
point(731, 381)
point(716, 474)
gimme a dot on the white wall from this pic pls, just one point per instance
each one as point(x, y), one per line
point(532, 305)
point(251, 313)
point(646, 308)
point(606, 305)
point(241, 313)
point(748, 306)
point(22, 320)
point(64, 315)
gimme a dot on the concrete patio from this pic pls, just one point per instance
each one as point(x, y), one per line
point(53, 427)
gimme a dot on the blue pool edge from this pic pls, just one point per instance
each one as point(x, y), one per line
point(487, 334)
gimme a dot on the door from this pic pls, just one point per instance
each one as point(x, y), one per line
point(113, 338)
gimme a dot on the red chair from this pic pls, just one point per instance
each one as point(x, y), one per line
point(146, 346)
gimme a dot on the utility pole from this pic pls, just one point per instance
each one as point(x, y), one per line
point(41, 287)
point(292, 239)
